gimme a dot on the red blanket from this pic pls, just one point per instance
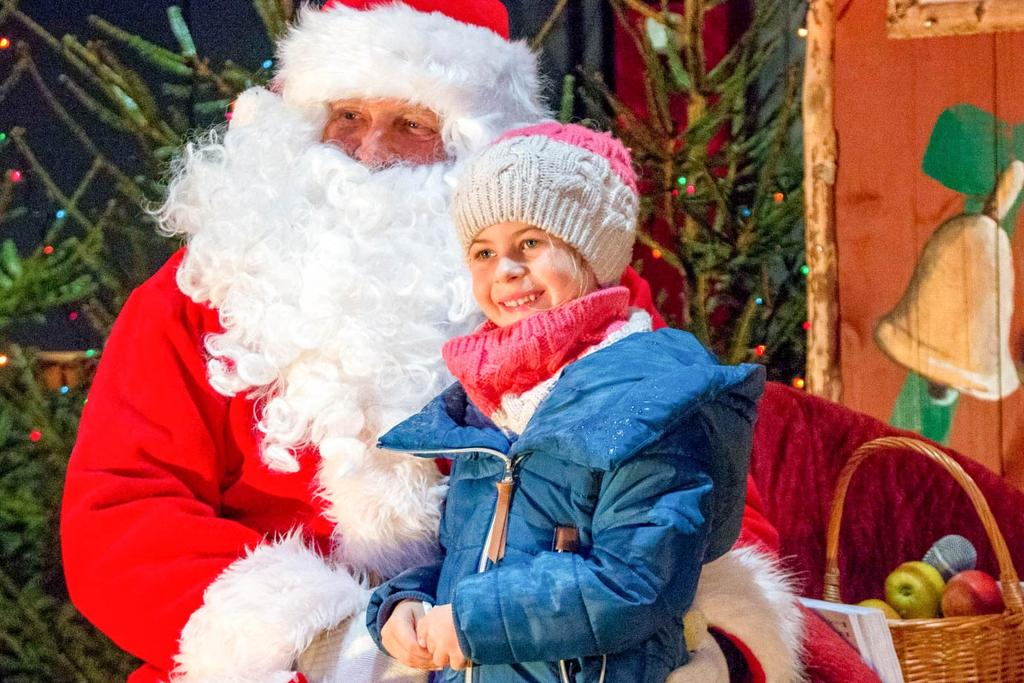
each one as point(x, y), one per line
point(898, 504)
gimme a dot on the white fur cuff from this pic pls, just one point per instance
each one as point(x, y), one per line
point(261, 612)
point(745, 594)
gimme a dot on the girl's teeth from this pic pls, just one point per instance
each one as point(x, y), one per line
point(520, 302)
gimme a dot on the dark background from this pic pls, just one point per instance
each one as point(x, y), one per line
point(229, 29)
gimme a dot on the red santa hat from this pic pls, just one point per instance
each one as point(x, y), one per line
point(487, 13)
point(451, 56)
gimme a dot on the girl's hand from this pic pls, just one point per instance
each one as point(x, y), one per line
point(399, 635)
point(436, 633)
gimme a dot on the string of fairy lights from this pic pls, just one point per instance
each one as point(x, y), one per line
point(690, 188)
point(16, 176)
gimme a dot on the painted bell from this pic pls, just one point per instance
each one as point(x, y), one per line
point(952, 325)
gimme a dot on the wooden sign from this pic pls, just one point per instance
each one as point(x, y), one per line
point(931, 18)
point(914, 216)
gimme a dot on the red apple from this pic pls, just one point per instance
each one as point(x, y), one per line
point(970, 593)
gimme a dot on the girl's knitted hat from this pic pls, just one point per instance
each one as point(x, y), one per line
point(570, 181)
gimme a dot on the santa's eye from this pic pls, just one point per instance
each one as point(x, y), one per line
point(420, 128)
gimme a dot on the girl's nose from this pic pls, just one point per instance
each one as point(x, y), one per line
point(509, 269)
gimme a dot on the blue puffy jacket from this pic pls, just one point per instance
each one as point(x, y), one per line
point(643, 447)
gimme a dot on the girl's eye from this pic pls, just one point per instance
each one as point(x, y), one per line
point(483, 254)
point(531, 243)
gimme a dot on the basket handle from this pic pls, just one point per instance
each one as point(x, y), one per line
point(1012, 597)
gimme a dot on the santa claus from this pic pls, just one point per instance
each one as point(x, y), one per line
point(224, 506)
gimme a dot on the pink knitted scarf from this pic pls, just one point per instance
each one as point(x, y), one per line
point(494, 361)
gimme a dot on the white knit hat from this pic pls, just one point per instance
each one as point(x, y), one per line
point(570, 181)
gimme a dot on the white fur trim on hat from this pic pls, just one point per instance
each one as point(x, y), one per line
point(478, 83)
point(566, 190)
point(261, 612)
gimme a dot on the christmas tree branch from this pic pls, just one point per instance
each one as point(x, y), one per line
point(33, 403)
point(70, 56)
point(105, 76)
point(135, 87)
point(538, 40)
point(13, 78)
point(203, 72)
point(666, 253)
point(699, 324)
point(154, 54)
point(6, 194)
point(97, 165)
point(772, 158)
point(287, 8)
point(16, 214)
point(740, 348)
point(635, 132)
point(91, 255)
point(272, 17)
point(93, 106)
point(647, 12)
point(654, 84)
point(6, 9)
point(57, 108)
point(568, 99)
point(693, 47)
point(179, 27)
point(18, 135)
point(41, 630)
point(32, 26)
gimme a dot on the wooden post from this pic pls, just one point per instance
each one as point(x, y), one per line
point(822, 376)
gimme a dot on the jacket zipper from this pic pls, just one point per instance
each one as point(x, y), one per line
point(506, 485)
point(507, 481)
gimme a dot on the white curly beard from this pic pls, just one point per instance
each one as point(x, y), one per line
point(336, 288)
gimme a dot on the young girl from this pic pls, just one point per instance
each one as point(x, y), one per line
point(596, 464)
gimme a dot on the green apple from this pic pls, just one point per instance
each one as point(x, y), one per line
point(886, 608)
point(914, 590)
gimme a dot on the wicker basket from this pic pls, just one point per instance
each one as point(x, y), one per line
point(986, 648)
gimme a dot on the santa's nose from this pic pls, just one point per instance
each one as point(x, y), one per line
point(373, 150)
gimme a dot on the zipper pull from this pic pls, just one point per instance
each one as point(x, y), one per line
point(499, 524)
